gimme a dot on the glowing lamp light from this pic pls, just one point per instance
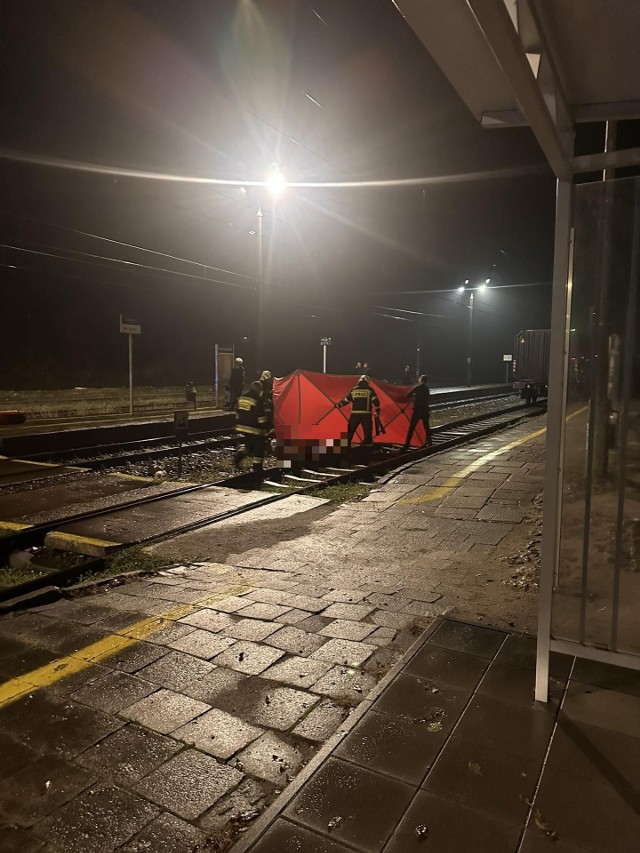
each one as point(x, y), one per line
point(461, 288)
point(276, 182)
point(482, 288)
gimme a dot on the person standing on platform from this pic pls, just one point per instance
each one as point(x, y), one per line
point(364, 401)
point(250, 427)
point(236, 383)
point(420, 395)
point(407, 375)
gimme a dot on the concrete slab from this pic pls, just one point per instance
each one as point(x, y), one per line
point(189, 784)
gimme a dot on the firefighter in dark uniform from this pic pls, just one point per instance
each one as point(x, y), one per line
point(250, 427)
point(266, 380)
point(420, 394)
point(363, 401)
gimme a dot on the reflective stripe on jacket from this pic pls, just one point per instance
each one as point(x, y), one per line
point(361, 399)
point(251, 418)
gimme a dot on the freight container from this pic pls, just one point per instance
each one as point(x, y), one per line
point(531, 363)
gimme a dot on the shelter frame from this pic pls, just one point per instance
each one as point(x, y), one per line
point(544, 65)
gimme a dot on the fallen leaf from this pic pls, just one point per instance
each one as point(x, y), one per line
point(334, 822)
point(543, 826)
point(422, 831)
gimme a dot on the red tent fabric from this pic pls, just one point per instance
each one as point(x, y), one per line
point(303, 408)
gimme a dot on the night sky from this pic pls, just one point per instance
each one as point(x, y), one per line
point(331, 91)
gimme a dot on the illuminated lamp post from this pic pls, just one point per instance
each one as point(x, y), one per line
point(481, 288)
point(275, 184)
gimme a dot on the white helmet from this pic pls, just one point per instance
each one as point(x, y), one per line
point(266, 375)
point(239, 361)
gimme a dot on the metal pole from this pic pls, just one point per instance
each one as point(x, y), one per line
point(260, 285)
point(470, 338)
point(417, 362)
point(506, 373)
point(324, 358)
point(560, 322)
point(217, 377)
point(130, 374)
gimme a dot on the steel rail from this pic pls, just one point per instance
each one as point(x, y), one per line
point(484, 426)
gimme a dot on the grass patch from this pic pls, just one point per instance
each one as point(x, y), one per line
point(14, 577)
point(134, 559)
point(341, 493)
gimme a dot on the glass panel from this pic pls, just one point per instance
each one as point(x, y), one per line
point(597, 595)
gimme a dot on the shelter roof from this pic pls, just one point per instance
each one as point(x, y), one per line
point(509, 60)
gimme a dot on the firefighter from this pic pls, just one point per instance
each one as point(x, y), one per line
point(363, 399)
point(250, 427)
point(266, 380)
point(420, 395)
point(236, 382)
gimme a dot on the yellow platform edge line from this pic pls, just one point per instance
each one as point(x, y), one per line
point(123, 476)
point(14, 525)
point(72, 538)
point(454, 481)
point(111, 645)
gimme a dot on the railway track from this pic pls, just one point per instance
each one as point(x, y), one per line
point(53, 533)
point(141, 451)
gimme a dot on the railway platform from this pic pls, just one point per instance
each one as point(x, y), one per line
point(96, 432)
point(169, 712)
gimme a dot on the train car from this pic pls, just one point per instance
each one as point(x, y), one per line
point(531, 363)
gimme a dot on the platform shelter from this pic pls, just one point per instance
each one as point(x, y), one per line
point(549, 66)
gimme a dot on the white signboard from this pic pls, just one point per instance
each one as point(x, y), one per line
point(129, 326)
point(325, 342)
point(507, 357)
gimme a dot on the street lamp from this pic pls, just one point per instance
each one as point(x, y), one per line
point(275, 183)
point(481, 288)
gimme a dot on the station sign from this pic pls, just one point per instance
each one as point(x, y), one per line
point(507, 357)
point(181, 422)
point(129, 326)
point(325, 342)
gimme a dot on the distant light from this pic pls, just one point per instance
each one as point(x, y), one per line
point(243, 190)
point(276, 182)
point(461, 288)
point(252, 231)
point(487, 281)
point(572, 330)
point(466, 281)
point(482, 288)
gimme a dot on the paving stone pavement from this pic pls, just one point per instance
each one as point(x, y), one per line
point(452, 755)
point(179, 706)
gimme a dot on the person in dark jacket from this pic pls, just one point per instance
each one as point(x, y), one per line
point(420, 395)
point(266, 380)
point(236, 383)
point(250, 427)
point(364, 401)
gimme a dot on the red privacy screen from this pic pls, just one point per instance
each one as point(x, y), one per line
point(303, 405)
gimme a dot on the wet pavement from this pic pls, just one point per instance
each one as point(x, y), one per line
point(450, 754)
point(172, 710)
